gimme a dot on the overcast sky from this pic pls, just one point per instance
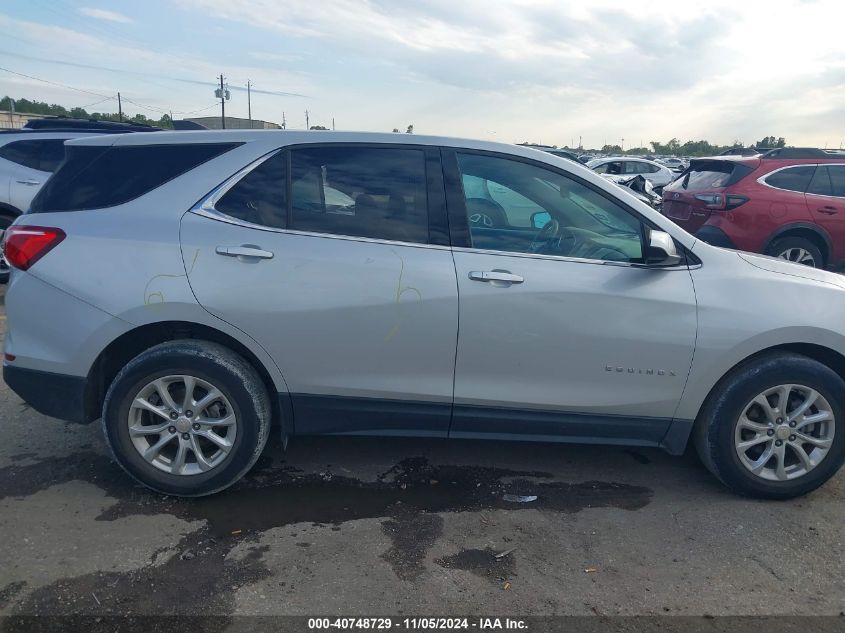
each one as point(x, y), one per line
point(508, 70)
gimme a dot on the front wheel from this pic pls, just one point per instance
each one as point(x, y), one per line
point(774, 427)
point(187, 417)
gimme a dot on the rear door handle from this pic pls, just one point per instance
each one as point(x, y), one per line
point(244, 251)
point(495, 275)
point(28, 182)
point(827, 210)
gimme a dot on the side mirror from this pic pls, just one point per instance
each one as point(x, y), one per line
point(661, 250)
point(540, 219)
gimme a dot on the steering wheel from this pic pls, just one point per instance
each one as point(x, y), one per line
point(546, 235)
point(554, 239)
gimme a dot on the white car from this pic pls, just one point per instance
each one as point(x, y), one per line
point(675, 164)
point(658, 175)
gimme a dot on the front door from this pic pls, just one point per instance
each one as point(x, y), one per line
point(339, 277)
point(562, 334)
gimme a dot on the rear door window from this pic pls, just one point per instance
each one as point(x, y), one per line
point(39, 154)
point(259, 197)
point(371, 192)
point(99, 176)
point(837, 179)
point(820, 184)
point(792, 178)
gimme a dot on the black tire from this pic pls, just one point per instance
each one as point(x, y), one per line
point(716, 423)
point(230, 373)
point(792, 243)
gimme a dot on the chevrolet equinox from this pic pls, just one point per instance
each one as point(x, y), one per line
point(194, 289)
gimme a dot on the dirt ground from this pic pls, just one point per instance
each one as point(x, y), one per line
point(360, 526)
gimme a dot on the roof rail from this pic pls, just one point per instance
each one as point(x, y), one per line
point(796, 152)
point(55, 124)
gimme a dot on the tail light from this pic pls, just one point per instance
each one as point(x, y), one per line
point(721, 201)
point(25, 245)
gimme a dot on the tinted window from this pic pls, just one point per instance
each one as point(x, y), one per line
point(705, 175)
point(94, 177)
point(837, 179)
point(259, 197)
point(792, 178)
point(52, 155)
point(43, 155)
point(366, 192)
point(820, 184)
point(544, 212)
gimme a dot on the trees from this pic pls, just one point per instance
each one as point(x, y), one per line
point(771, 141)
point(52, 109)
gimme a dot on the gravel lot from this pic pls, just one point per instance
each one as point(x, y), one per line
point(404, 527)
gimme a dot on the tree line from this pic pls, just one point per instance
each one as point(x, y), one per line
point(52, 109)
point(674, 147)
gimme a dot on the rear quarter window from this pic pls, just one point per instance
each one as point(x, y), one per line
point(95, 177)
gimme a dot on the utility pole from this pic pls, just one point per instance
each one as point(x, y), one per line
point(332, 124)
point(249, 103)
point(119, 108)
point(222, 104)
point(307, 123)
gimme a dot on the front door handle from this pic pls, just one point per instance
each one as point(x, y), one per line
point(827, 210)
point(496, 275)
point(246, 250)
point(28, 182)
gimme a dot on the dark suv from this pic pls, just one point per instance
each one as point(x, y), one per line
point(789, 203)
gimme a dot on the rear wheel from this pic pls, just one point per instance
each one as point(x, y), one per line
point(797, 249)
point(773, 427)
point(187, 417)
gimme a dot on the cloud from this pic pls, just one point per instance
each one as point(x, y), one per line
point(103, 14)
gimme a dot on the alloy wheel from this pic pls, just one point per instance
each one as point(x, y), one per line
point(799, 256)
point(182, 425)
point(784, 432)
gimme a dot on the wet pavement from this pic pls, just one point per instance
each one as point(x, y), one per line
point(367, 526)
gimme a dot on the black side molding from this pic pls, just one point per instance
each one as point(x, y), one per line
point(57, 395)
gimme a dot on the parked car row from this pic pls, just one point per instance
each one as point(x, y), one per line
point(192, 289)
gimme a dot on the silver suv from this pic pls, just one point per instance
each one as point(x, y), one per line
point(193, 288)
point(30, 155)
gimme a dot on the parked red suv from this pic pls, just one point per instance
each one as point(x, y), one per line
point(788, 203)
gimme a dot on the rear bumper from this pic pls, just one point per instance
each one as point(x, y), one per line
point(715, 236)
point(57, 395)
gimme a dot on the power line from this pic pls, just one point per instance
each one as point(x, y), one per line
point(54, 83)
point(97, 102)
point(126, 71)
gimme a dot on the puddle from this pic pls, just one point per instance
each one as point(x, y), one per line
point(274, 495)
point(409, 498)
point(483, 563)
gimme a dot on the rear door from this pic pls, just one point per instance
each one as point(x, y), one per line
point(334, 258)
point(826, 204)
